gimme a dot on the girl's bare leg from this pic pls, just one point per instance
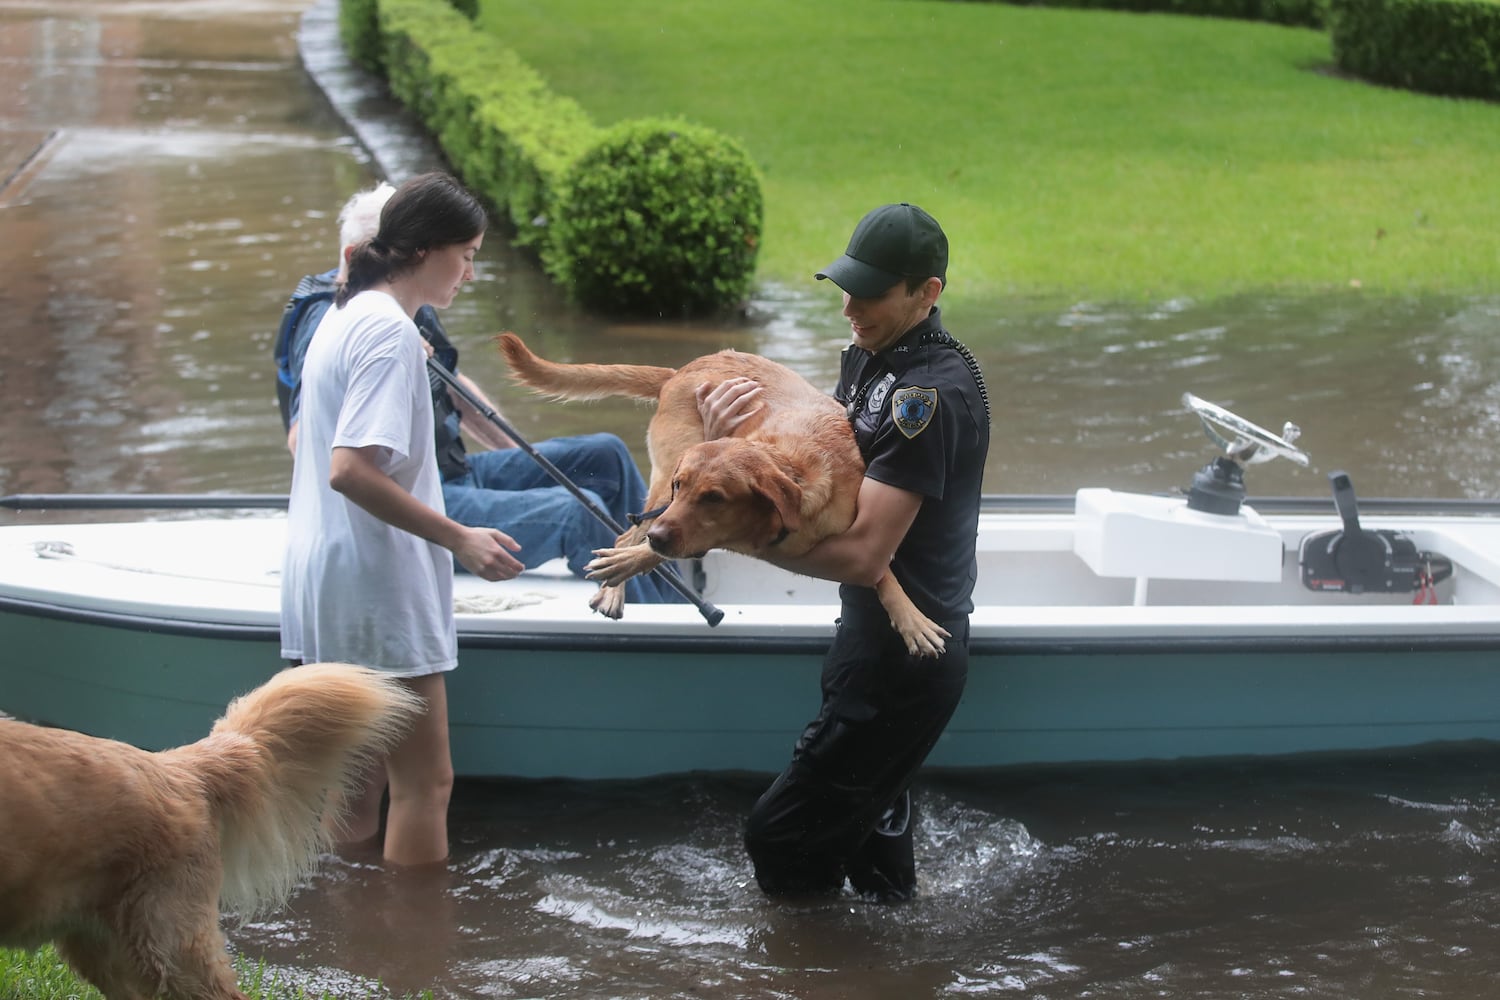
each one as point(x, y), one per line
point(420, 770)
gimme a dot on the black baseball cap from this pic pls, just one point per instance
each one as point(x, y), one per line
point(890, 244)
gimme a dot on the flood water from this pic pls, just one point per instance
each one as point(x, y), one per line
point(169, 171)
point(1344, 878)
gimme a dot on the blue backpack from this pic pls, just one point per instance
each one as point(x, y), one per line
point(303, 312)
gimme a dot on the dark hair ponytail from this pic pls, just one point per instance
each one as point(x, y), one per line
point(429, 210)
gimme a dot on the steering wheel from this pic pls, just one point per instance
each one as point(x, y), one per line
point(1250, 443)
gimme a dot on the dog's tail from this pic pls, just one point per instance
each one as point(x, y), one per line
point(583, 381)
point(278, 757)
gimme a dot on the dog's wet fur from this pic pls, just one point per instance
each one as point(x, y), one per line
point(788, 477)
point(123, 858)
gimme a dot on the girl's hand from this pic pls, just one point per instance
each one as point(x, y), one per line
point(486, 552)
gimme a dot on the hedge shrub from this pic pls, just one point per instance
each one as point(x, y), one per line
point(1302, 13)
point(1447, 47)
point(359, 30)
point(652, 217)
point(505, 134)
point(658, 217)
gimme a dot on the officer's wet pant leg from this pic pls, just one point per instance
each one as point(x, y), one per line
point(825, 817)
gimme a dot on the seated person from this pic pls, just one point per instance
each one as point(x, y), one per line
point(502, 487)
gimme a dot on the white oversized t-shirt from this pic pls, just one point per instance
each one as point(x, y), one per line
point(355, 589)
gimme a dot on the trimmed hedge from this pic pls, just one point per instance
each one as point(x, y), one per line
point(683, 203)
point(1449, 47)
point(1299, 13)
point(359, 30)
point(505, 134)
point(659, 212)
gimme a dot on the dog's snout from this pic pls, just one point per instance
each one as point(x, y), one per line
point(660, 538)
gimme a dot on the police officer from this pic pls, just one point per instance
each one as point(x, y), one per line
point(842, 808)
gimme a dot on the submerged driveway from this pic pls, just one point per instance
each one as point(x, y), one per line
point(159, 164)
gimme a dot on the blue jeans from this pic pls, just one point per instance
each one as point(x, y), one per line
point(507, 489)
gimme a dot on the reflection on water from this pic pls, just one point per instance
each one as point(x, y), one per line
point(635, 889)
point(1401, 393)
point(1330, 878)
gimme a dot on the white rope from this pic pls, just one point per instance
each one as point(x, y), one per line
point(491, 604)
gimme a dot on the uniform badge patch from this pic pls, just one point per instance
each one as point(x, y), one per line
point(912, 409)
point(878, 394)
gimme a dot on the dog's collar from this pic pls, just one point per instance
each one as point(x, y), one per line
point(647, 515)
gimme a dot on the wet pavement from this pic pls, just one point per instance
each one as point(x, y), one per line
point(164, 155)
point(159, 68)
point(151, 69)
point(169, 171)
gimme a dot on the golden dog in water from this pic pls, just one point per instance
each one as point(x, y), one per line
point(787, 478)
point(123, 857)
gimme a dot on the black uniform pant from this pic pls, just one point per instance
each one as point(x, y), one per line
point(842, 807)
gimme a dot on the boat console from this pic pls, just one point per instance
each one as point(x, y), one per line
point(1210, 534)
point(1142, 536)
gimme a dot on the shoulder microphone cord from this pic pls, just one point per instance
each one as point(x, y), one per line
point(946, 339)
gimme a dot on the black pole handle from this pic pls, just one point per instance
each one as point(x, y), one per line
point(711, 614)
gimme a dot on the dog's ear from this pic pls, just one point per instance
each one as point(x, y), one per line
point(784, 494)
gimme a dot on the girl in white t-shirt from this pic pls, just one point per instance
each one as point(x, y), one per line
point(367, 577)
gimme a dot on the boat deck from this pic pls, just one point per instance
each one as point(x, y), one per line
point(227, 570)
point(143, 631)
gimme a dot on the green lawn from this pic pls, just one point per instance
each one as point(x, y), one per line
point(1081, 153)
point(41, 975)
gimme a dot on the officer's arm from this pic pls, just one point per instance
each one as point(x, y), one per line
point(862, 554)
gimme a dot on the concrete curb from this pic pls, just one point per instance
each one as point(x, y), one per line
point(394, 140)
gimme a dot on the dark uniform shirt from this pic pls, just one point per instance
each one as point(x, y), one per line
point(921, 418)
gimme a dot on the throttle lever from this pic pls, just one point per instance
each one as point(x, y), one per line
point(1344, 502)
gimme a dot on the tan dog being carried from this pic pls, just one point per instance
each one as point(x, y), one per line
point(786, 479)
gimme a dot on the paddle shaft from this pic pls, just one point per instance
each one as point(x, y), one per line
point(710, 613)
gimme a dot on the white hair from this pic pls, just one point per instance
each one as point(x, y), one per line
point(359, 219)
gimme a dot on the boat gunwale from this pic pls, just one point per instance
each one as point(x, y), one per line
point(989, 503)
point(1115, 644)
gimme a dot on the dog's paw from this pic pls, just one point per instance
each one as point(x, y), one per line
point(612, 567)
point(609, 602)
point(923, 636)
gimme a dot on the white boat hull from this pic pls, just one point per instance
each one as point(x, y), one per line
point(142, 631)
